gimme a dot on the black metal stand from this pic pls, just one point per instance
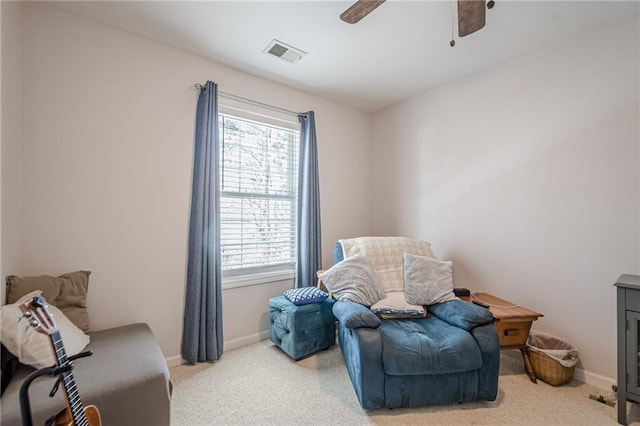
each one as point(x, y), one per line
point(25, 404)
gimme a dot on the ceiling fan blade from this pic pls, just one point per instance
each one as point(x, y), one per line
point(359, 10)
point(471, 16)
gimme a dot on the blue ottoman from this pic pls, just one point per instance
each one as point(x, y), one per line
point(301, 330)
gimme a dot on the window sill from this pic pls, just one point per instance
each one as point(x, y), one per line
point(256, 279)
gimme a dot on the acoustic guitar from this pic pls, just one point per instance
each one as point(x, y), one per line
point(75, 414)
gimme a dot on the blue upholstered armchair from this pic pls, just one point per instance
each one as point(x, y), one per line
point(451, 355)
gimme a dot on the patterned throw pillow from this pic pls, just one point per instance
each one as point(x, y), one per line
point(305, 295)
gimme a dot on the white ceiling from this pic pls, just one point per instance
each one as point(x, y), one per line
point(399, 50)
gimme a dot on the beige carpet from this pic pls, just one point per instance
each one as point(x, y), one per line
point(260, 385)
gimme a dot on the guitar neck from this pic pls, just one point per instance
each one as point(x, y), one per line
point(69, 382)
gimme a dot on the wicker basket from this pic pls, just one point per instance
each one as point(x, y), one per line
point(548, 369)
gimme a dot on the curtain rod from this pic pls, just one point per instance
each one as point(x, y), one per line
point(252, 102)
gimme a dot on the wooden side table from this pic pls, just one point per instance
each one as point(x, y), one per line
point(513, 323)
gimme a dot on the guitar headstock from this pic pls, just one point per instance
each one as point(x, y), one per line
point(37, 312)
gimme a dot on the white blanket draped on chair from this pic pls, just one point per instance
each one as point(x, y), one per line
point(385, 254)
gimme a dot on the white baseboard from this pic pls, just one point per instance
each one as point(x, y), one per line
point(579, 374)
point(593, 379)
point(246, 340)
point(176, 360)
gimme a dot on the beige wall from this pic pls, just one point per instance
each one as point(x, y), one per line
point(526, 176)
point(107, 139)
point(10, 147)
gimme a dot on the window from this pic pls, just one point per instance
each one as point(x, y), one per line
point(258, 196)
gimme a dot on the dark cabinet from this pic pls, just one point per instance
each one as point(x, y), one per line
point(628, 343)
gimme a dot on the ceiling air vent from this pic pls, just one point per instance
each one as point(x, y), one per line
point(284, 51)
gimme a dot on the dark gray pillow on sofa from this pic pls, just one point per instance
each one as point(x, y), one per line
point(9, 366)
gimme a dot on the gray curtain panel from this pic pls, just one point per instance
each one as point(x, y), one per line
point(309, 244)
point(202, 329)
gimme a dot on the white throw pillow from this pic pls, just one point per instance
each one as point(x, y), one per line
point(427, 280)
point(353, 280)
point(29, 345)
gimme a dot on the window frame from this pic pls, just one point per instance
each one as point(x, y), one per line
point(271, 273)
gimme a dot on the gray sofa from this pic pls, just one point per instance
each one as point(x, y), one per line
point(126, 378)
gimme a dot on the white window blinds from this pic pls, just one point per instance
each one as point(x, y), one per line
point(258, 194)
